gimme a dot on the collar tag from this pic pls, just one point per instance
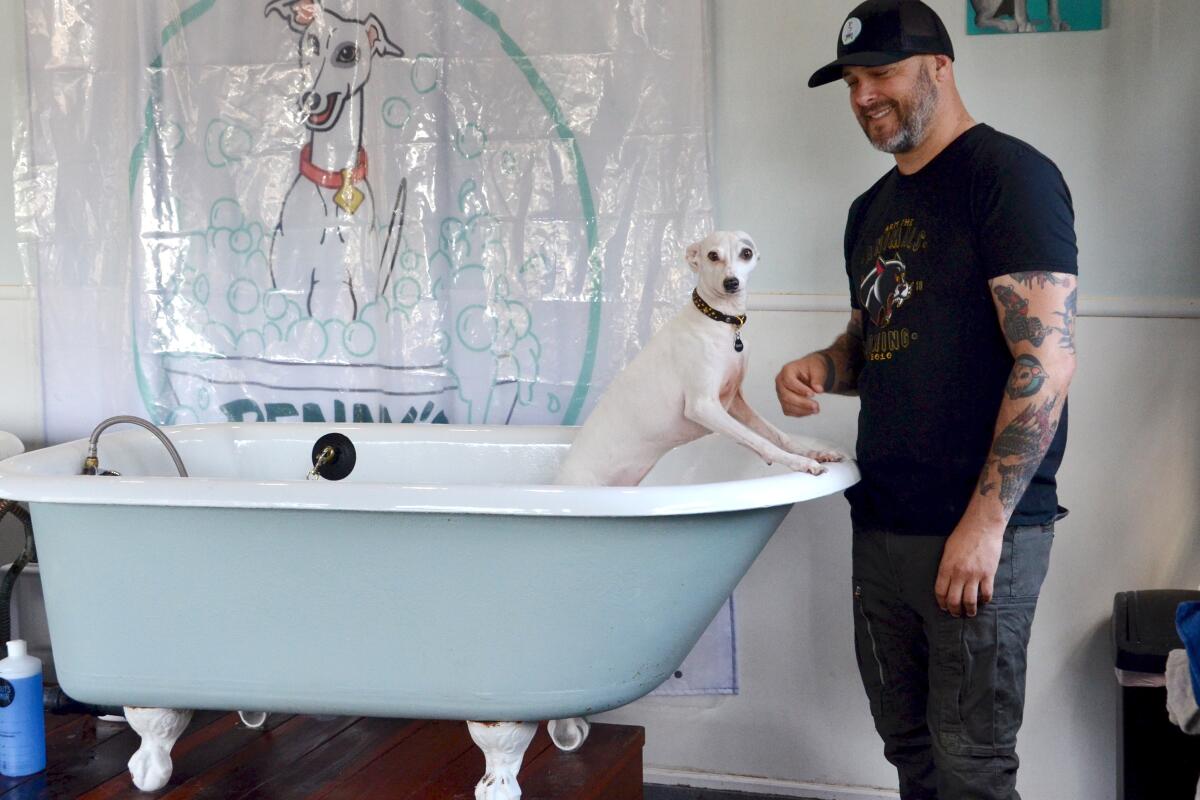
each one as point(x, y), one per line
point(349, 197)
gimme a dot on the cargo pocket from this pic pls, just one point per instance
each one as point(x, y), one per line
point(1031, 547)
point(1015, 623)
point(866, 652)
point(980, 683)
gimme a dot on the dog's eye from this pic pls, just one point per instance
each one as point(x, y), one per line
point(347, 54)
point(746, 254)
point(312, 45)
point(713, 255)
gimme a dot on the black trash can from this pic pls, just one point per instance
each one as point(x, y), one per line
point(1156, 760)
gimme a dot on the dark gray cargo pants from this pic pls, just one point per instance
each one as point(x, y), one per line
point(947, 694)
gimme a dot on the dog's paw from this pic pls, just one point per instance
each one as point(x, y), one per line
point(1061, 26)
point(800, 463)
point(802, 450)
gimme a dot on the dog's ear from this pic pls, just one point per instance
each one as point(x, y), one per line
point(693, 256)
point(381, 45)
point(298, 14)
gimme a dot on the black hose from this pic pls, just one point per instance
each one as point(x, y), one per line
point(10, 578)
point(56, 701)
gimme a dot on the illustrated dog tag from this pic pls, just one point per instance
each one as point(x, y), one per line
point(348, 198)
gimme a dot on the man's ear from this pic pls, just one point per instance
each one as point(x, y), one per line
point(693, 256)
point(381, 45)
point(942, 68)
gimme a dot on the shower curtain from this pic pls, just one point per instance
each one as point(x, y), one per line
point(341, 210)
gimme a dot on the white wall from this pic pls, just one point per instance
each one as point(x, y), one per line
point(1117, 110)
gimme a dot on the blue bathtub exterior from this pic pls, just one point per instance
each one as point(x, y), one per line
point(428, 615)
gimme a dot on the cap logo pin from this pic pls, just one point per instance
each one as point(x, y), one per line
point(851, 30)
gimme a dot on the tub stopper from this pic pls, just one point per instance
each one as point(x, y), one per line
point(338, 464)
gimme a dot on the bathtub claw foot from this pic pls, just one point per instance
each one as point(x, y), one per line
point(159, 728)
point(503, 745)
point(253, 719)
point(568, 734)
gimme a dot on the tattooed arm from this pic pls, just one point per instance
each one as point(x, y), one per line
point(834, 370)
point(1037, 315)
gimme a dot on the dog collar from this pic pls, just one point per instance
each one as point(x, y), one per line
point(710, 312)
point(349, 197)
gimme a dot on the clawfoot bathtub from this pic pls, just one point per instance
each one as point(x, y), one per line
point(444, 577)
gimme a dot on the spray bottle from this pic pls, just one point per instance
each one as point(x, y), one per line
point(22, 727)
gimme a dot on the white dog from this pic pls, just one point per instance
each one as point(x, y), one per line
point(325, 249)
point(686, 382)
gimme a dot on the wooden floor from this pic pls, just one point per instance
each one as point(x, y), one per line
point(325, 757)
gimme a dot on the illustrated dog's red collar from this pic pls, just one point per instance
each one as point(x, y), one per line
point(331, 179)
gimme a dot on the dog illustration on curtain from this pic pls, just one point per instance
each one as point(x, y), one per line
point(326, 250)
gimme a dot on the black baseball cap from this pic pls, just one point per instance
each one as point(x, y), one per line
point(880, 32)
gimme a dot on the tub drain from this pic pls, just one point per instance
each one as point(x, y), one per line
point(333, 457)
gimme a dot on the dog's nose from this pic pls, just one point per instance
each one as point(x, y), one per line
point(310, 101)
point(731, 285)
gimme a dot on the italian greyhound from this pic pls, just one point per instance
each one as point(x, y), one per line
point(685, 383)
point(325, 251)
point(988, 12)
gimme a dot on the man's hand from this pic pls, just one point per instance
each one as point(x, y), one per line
point(799, 382)
point(967, 572)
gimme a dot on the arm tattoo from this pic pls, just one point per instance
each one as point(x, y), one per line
point(855, 354)
point(842, 362)
point(1041, 278)
point(1068, 322)
point(1020, 446)
point(855, 326)
point(985, 485)
point(844, 359)
point(1018, 325)
point(1027, 377)
point(830, 370)
point(1029, 433)
point(1014, 480)
point(1018, 452)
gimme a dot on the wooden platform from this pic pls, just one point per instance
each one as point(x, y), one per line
point(329, 757)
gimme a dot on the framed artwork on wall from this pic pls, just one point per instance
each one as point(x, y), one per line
point(1033, 16)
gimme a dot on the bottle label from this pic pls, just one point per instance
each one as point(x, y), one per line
point(22, 729)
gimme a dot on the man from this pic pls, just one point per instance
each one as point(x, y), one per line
point(962, 265)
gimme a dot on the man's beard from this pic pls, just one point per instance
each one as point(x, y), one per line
point(913, 120)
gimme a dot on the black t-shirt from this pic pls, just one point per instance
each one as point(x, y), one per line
point(920, 250)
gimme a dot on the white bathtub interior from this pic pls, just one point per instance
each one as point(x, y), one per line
point(447, 456)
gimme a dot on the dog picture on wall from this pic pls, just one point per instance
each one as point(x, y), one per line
point(1032, 16)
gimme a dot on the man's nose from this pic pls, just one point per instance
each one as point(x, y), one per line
point(863, 94)
point(731, 284)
